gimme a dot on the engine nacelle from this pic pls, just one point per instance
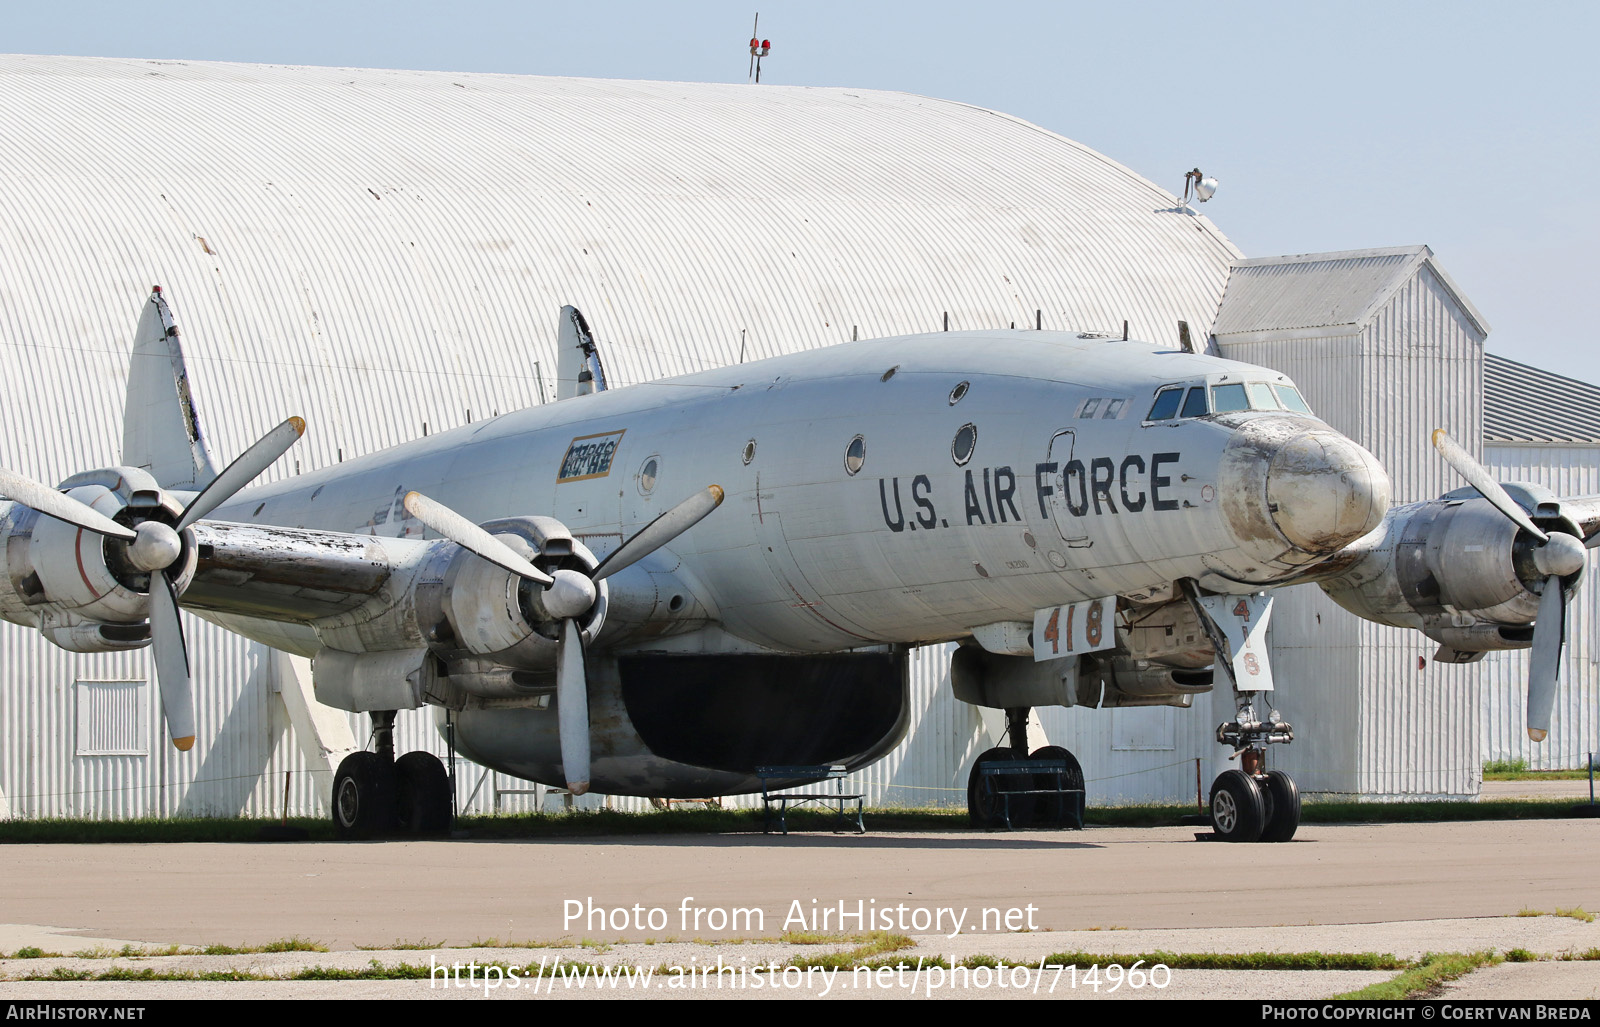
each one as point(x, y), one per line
point(1454, 568)
point(70, 581)
point(496, 615)
point(469, 612)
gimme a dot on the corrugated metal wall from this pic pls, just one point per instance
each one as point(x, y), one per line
point(382, 252)
point(1423, 369)
point(1572, 470)
point(1373, 715)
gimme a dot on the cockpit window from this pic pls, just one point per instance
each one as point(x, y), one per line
point(1200, 400)
point(1225, 399)
point(1290, 397)
point(1261, 397)
point(1166, 405)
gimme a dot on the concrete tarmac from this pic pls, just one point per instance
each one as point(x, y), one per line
point(1404, 889)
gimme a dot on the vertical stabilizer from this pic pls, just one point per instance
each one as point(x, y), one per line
point(578, 370)
point(160, 428)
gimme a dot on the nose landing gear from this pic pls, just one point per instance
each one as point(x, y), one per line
point(1250, 804)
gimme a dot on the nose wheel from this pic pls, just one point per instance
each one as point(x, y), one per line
point(1248, 805)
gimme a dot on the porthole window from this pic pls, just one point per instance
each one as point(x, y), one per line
point(750, 451)
point(965, 442)
point(647, 475)
point(855, 455)
point(889, 373)
point(958, 392)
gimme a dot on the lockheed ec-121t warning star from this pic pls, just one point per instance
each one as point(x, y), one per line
point(654, 590)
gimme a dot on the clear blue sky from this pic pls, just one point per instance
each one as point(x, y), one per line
point(1469, 126)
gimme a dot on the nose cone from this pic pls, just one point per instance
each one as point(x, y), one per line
point(1324, 491)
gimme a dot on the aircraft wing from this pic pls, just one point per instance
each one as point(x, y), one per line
point(1585, 510)
point(289, 574)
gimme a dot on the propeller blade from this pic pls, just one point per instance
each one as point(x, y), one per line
point(172, 662)
point(572, 708)
point(1549, 632)
point(244, 469)
point(470, 537)
point(48, 501)
point(660, 531)
point(1480, 479)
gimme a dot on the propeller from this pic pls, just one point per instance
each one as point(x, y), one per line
point(568, 595)
point(155, 547)
point(1557, 556)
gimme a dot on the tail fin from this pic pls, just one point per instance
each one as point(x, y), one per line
point(578, 370)
point(160, 428)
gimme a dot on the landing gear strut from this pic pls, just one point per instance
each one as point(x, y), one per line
point(1253, 804)
point(1034, 798)
point(374, 793)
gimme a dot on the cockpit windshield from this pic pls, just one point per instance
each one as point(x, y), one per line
point(1177, 401)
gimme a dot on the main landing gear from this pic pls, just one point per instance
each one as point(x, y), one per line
point(374, 793)
point(1018, 797)
point(1249, 805)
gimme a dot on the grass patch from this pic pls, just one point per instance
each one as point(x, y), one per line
point(877, 943)
point(152, 829)
point(1240, 960)
point(1575, 912)
point(816, 938)
point(296, 944)
point(699, 820)
point(1420, 980)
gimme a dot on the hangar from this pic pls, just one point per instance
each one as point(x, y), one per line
point(385, 252)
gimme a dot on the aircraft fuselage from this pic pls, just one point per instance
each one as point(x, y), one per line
point(893, 491)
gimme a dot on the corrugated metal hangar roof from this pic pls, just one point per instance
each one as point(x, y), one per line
point(1324, 290)
point(380, 249)
point(1526, 404)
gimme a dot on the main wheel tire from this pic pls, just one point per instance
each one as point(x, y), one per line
point(422, 794)
point(1283, 813)
point(1058, 809)
point(1237, 812)
point(364, 795)
point(984, 804)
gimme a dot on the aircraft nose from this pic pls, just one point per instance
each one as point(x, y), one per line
point(1324, 491)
